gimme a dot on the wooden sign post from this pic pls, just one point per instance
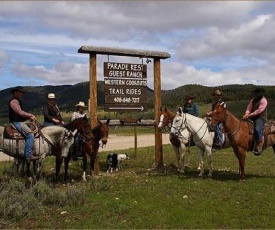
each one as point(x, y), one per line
point(93, 51)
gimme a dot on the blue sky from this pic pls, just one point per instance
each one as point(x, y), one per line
point(211, 43)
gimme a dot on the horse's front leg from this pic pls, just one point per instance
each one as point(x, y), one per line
point(84, 168)
point(201, 163)
point(58, 163)
point(182, 154)
point(178, 157)
point(66, 167)
point(208, 151)
point(241, 155)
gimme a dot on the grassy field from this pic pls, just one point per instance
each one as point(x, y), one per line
point(140, 198)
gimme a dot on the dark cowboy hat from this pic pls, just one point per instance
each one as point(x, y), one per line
point(189, 96)
point(17, 88)
point(217, 92)
point(258, 91)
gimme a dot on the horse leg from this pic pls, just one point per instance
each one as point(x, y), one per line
point(208, 151)
point(58, 163)
point(178, 156)
point(92, 164)
point(201, 166)
point(241, 154)
point(84, 167)
point(66, 167)
point(37, 169)
point(182, 153)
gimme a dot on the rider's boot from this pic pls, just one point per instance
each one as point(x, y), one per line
point(32, 158)
point(259, 148)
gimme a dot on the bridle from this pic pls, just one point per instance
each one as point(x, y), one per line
point(224, 118)
point(165, 128)
point(185, 123)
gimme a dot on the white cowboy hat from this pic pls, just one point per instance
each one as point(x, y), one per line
point(51, 96)
point(81, 104)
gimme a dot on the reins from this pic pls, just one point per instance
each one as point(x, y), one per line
point(231, 133)
point(186, 124)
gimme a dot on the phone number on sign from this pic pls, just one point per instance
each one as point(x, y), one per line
point(126, 99)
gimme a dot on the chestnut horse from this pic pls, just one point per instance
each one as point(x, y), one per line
point(179, 143)
point(90, 139)
point(239, 132)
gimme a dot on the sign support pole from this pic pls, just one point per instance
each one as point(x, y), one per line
point(157, 100)
point(93, 102)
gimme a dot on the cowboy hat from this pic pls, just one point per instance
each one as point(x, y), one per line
point(217, 92)
point(18, 88)
point(258, 91)
point(81, 104)
point(189, 97)
point(51, 96)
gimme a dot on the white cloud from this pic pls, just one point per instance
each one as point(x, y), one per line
point(211, 43)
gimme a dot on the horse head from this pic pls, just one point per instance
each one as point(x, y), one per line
point(218, 114)
point(178, 123)
point(68, 140)
point(101, 131)
point(166, 118)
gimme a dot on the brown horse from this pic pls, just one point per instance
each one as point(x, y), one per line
point(166, 119)
point(90, 141)
point(179, 143)
point(240, 135)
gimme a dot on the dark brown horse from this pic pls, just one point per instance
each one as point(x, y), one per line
point(240, 135)
point(90, 139)
point(166, 119)
point(179, 145)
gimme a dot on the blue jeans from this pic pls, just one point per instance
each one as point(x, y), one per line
point(29, 136)
point(219, 133)
point(47, 123)
point(259, 124)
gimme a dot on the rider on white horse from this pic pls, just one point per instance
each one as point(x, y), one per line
point(17, 117)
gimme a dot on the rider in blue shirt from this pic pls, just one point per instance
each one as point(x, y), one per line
point(191, 107)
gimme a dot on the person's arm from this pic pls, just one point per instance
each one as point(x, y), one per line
point(17, 109)
point(248, 110)
point(261, 108)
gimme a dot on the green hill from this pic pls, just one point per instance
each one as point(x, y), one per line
point(236, 97)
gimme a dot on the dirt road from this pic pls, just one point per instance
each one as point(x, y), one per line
point(119, 143)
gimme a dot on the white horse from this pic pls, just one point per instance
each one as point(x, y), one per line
point(202, 137)
point(178, 142)
point(52, 140)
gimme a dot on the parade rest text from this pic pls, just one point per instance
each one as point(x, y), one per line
point(124, 70)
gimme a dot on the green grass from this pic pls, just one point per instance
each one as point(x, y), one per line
point(140, 198)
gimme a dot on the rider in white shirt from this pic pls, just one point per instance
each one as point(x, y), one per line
point(80, 112)
point(80, 108)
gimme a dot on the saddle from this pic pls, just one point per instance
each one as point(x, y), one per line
point(10, 132)
point(269, 127)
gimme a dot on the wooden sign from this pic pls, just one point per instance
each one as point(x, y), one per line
point(125, 87)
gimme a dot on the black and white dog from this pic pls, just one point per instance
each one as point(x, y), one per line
point(114, 161)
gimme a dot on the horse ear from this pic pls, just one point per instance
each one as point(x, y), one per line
point(180, 110)
point(108, 121)
point(165, 109)
point(160, 109)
